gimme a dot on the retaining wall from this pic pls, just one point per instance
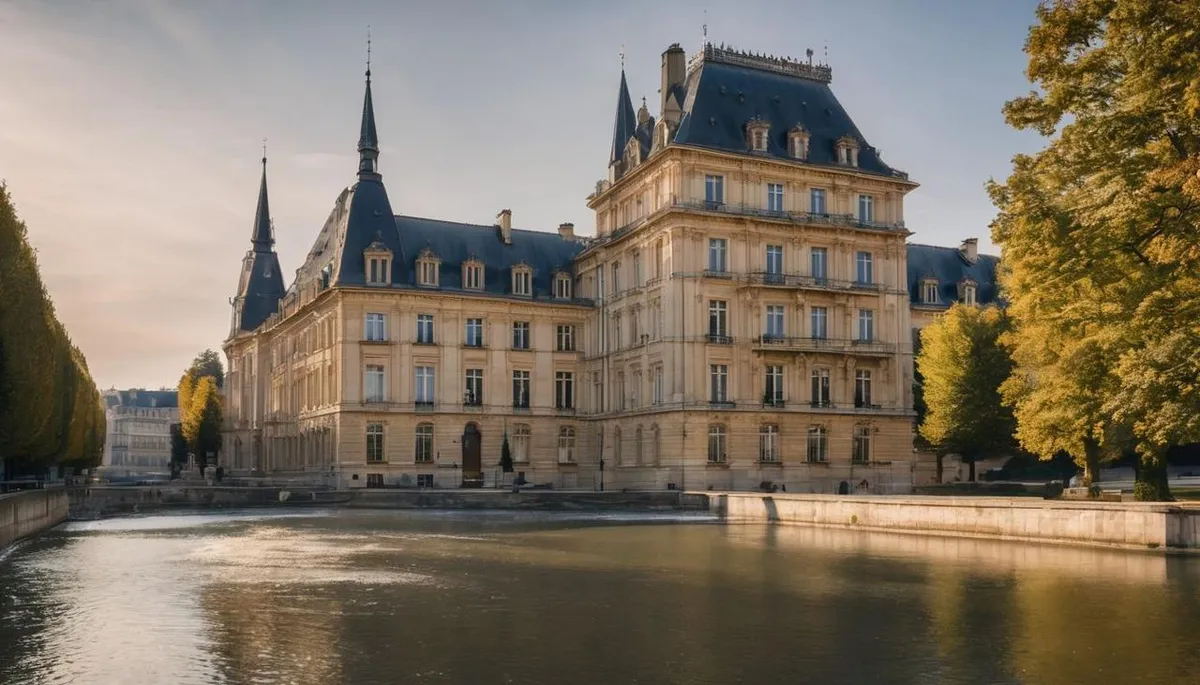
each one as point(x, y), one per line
point(1130, 525)
point(30, 512)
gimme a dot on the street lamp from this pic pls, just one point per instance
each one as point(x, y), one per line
point(601, 474)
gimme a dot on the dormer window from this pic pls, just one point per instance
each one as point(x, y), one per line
point(427, 268)
point(562, 286)
point(522, 280)
point(929, 291)
point(633, 153)
point(798, 142)
point(967, 289)
point(378, 260)
point(847, 151)
point(758, 132)
point(472, 274)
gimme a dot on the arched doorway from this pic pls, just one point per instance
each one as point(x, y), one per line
point(472, 461)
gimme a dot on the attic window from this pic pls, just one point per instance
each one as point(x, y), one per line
point(472, 278)
point(758, 134)
point(967, 289)
point(562, 286)
point(522, 280)
point(427, 268)
point(847, 151)
point(798, 142)
point(929, 291)
point(633, 153)
point(378, 261)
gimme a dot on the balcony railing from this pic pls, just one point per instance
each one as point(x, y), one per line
point(801, 344)
point(743, 209)
point(778, 280)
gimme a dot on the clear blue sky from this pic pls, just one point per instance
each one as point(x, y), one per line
point(130, 130)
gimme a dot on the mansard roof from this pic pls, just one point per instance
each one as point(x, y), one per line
point(949, 268)
point(142, 398)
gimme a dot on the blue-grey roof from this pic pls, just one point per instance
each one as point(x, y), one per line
point(722, 97)
point(261, 285)
point(949, 267)
point(624, 123)
point(454, 243)
point(369, 218)
point(367, 138)
point(262, 237)
point(143, 398)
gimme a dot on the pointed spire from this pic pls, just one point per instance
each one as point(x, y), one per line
point(263, 238)
point(625, 123)
point(368, 140)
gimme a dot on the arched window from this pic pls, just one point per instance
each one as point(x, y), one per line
point(566, 445)
point(423, 452)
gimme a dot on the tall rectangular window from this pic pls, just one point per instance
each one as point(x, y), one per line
point(520, 335)
point(425, 329)
point(425, 385)
point(616, 278)
point(522, 282)
point(820, 387)
point(564, 390)
point(520, 390)
point(774, 197)
point(565, 338)
point(768, 443)
point(637, 269)
point(820, 330)
point(374, 442)
point(718, 258)
point(473, 276)
point(658, 385)
point(473, 393)
point(773, 393)
point(775, 260)
point(716, 444)
point(474, 332)
point(817, 445)
point(562, 287)
point(862, 388)
point(817, 201)
point(819, 264)
point(865, 263)
point(718, 382)
point(714, 191)
point(862, 444)
point(774, 321)
point(375, 328)
point(373, 384)
point(866, 209)
point(659, 252)
point(718, 320)
point(866, 325)
point(423, 449)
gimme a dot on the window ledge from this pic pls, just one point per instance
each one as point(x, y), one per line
point(376, 342)
point(716, 465)
point(817, 463)
point(771, 462)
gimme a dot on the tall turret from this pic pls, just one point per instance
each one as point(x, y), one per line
point(261, 284)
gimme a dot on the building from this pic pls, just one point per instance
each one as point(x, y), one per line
point(138, 439)
point(741, 316)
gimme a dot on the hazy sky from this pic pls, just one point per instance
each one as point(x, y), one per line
point(130, 131)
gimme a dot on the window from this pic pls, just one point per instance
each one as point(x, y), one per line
point(799, 142)
point(865, 273)
point(635, 397)
point(718, 321)
point(658, 258)
point(375, 328)
point(929, 291)
point(759, 139)
point(969, 294)
point(374, 442)
point(374, 384)
point(718, 377)
point(658, 385)
point(816, 202)
point(425, 385)
point(425, 329)
point(566, 445)
point(820, 317)
point(768, 443)
point(866, 209)
point(862, 388)
point(620, 390)
point(862, 444)
point(716, 444)
point(374, 480)
point(474, 332)
point(866, 325)
point(378, 267)
point(635, 325)
point(473, 276)
point(653, 456)
point(714, 191)
point(820, 388)
point(816, 445)
point(774, 197)
point(564, 390)
point(562, 286)
point(717, 254)
point(617, 445)
point(773, 394)
point(774, 321)
point(423, 451)
point(520, 390)
point(427, 271)
point(616, 278)
point(819, 263)
point(424, 480)
point(775, 260)
point(637, 270)
point(522, 280)
point(520, 335)
point(597, 393)
point(520, 443)
point(637, 445)
point(473, 394)
point(565, 336)
point(618, 331)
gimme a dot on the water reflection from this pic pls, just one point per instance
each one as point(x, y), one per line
point(386, 597)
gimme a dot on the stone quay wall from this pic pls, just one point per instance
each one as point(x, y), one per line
point(1128, 525)
point(28, 513)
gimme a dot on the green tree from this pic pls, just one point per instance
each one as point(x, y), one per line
point(506, 460)
point(1099, 228)
point(962, 365)
point(201, 426)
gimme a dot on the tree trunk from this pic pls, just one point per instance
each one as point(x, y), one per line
point(938, 461)
point(1152, 484)
point(1091, 462)
point(971, 470)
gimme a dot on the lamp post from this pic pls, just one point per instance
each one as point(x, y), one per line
point(601, 474)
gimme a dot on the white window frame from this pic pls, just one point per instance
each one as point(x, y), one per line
point(718, 383)
point(475, 324)
point(864, 268)
point(866, 209)
point(817, 201)
point(564, 338)
point(564, 390)
point(819, 323)
point(775, 317)
point(714, 190)
point(718, 255)
point(566, 445)
point(820, 387)
point(521, 438)
point(375, 443)
point(522, 282)
point(521, 334)
point(866, 325)
point(375, 383)
point(768, 443)
point(472, 276)
point(425, 329)
point(774, 197)
point(423, 443)
point(861, 450)
point(862, 388)
point(425, 385)
point(817, 444)
point(718, 443)
point(375, 327)
point(473, 387)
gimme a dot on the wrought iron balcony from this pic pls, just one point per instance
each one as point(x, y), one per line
point(802, 344)
point(808, 218)
point(778, 280)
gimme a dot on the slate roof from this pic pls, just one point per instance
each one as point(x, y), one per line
point(261, 285)
point(624, 123)
point(949, 267)
point(143, 398)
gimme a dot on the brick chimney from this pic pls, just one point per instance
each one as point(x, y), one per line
point(505, 223)
point(970, 250)
point(566, 230)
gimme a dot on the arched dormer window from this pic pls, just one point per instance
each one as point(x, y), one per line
point(662, 135)
point(798, 142)
point(472, 274)
point(929, 290)
point(522, 280)
point(758, 131)
point(847, 151)
point(562, 285)
point(967, 289)
point(378, 260)
point(633, 154)
point(428, 265)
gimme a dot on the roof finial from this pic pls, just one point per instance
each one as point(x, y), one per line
point(622, 53)
point(368, 51)
point(264, 159)
point(704, 29)
point(827, 52)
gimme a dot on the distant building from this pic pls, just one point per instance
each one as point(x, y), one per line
point(138, 441)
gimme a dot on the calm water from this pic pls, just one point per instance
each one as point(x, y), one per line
point(473, 598)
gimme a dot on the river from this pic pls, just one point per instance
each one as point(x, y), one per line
point(357, 597)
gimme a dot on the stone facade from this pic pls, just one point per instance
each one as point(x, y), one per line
point(138, 438)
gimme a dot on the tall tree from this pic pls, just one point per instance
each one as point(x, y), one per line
point(202, 424)
point(208, 363)
point(962, 365)
point(1099, 229)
